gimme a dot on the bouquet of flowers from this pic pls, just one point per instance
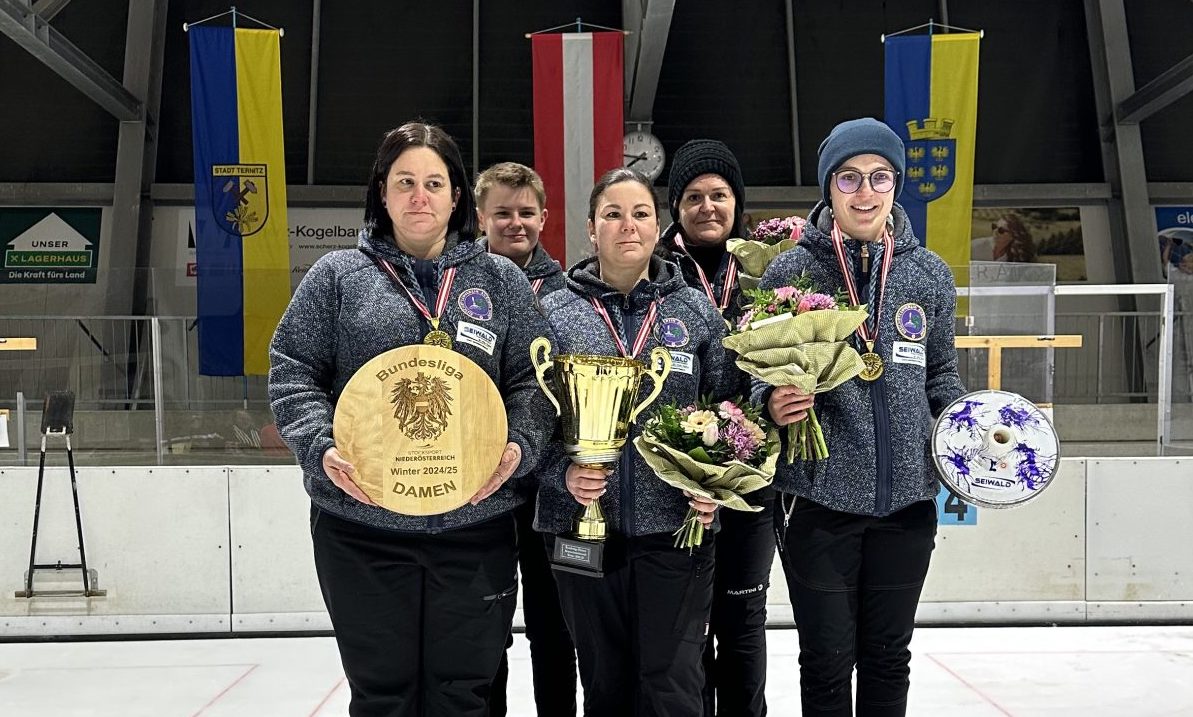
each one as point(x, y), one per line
point(771, 237)
point(796, 336)
point(718, 451)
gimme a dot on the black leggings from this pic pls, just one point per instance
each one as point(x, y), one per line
point(735, 655)
point(640, 630)
point(552, 654)
point(855, 582)
point(420, 620)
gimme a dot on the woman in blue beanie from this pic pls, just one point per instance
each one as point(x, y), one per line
point(856, 530)
point(706, 196)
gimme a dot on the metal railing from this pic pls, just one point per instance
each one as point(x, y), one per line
point(147, 369)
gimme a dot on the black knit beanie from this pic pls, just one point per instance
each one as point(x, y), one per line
point(706, 156)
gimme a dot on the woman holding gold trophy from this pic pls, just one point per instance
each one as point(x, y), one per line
point(386, 362)
point(640, 614)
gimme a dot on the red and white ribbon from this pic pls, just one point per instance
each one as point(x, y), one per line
point(643, 331)
point(888, 254)
point(445, 290)
point(726, 288)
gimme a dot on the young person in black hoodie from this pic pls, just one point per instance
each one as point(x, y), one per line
point(511, 207)
point(640, 629)
point(421, 605)
point(858, 528)
point(707, 196)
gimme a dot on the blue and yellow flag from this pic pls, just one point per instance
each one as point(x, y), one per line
point(932, 103)
point(241, 238)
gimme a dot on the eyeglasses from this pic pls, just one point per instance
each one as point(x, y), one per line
point(850, 180)
point(998, 228)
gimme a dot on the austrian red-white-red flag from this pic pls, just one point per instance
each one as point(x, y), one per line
point(577, 129)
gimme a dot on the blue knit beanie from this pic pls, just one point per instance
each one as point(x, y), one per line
point(860, 136)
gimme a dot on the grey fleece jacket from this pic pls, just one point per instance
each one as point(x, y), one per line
point(637, 502)
point(346, 311)
point(877, 432)
point(541, 266)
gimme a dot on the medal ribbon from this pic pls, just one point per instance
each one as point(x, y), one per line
point(536, 285)
point(726, 288)
point(888, 254)
point(445, 290)
point(643, 331)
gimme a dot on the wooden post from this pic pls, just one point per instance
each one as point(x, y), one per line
point(18, 344)
point(995, 345)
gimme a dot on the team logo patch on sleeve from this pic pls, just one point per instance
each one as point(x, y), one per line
point(911, 322)
point(671, 333)
point(476, 303)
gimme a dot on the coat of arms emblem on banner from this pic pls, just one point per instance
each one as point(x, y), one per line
point(931, 158)
point(240, 197)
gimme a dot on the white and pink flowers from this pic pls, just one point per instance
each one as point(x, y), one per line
point(718, 450)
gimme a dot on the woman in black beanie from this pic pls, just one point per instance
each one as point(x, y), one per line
point(707, 197)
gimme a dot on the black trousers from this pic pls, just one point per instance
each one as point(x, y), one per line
point(552, 654)
point(420, 620)
point(735, 667)
point(855, 582)
point(640, 630)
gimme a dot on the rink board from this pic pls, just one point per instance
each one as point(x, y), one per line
point(218, 549)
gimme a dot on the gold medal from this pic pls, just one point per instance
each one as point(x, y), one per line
point(872, 364)
point(442, 340)
point(873, 368)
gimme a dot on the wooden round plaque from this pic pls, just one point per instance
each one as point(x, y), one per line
point(424, 427)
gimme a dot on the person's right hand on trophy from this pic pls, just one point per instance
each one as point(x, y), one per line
point(586, 484)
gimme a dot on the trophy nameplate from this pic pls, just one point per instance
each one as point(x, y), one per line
point(423, 426)
point(581, 556)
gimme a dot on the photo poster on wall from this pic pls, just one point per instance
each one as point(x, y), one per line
point(1174, 232)
point(1043, 235)
point(1032, 235)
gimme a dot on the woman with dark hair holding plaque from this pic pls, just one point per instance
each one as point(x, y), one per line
point(639, 628)
point(856, 530)
point(421, 604)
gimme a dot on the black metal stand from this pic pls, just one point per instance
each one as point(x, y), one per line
point(87, 591)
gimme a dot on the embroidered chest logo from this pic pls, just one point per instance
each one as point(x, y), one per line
point(672, 333)
point(476, 303)
point(911, 322)
point(422, 406)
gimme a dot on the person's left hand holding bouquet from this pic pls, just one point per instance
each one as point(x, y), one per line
point(789, 404)
point(715, 452)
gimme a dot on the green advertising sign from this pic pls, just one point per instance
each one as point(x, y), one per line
point(49, 246)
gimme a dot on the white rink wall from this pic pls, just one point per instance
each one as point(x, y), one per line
point(218, 549)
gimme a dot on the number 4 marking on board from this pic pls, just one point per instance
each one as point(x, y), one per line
point(951, 510)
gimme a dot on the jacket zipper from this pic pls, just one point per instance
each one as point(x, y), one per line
point(628, 508)
point(882, 415)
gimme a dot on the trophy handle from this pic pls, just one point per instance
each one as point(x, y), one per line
point(658, 355)
point(542, 346)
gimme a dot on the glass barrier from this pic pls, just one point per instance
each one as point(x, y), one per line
point(139, 399)
point(127, 413)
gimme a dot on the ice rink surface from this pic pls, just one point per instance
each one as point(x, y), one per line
point(970, 672)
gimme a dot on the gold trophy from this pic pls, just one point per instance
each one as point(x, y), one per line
point(594, 397)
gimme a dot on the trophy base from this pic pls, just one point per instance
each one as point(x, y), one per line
point(582, 557)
